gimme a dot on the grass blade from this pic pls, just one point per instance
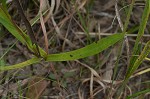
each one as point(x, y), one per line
point(6, 21)
point(20, 65)
point(89, 50)
point(138, 93)
point(139, 60)
point(144, 20)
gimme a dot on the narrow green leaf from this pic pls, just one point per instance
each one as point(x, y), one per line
point(89, 50)
point(4, 4)
point(20, 65)
point(37, 17)
point(138, 94)
point(84, 25)
point(134, 62)
point(139, 60)
point(143, 23)
point(6, 21)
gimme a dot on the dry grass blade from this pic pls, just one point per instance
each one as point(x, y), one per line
point(44, 32)
point(118, 16)
point(141, 72)
point(81, 4)
point(97, 79)
point(57, 6)
point(60, 35)
point(93, 34)
point(91, 69)
point(93, 92)
point(42, 22)
point(91, 86)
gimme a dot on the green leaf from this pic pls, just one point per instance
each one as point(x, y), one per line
point(21, 65)
point(138, 94)
point(143, 23)
point(4, 4)
point(139, 60)
point(89, 50)
point(8, 23)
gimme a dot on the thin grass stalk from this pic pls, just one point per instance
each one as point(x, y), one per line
point(121, 47)
point(134, 61)
point(140, 34)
